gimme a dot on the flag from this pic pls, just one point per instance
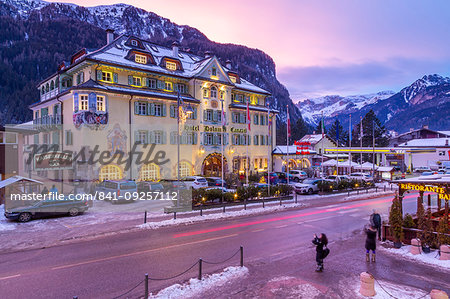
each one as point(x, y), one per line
point(350, 130)
point(249, 121)
point(361, 129)
point(269, 118)
point(288, 122)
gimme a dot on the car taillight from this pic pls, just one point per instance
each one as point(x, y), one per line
point(196, 183)
point(118, 192)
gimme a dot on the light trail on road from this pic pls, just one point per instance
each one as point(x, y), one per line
point(326, 210)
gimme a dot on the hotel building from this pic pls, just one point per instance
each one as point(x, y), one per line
point(125, 95)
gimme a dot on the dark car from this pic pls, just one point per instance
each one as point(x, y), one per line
point(47, 208)
point(172, 185)
point(149, 186)
point(274, 179)
point(216, 182)
point(283, 178)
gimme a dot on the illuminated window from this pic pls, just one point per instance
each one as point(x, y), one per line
point(253, 100)
point(233, 79)
point(110, 172)
point(213, 92)
point(185, 169)
point(137, 81)
point(222, 95)
point(168, 86)
point(205, 93)
point(140, 59)
point(150, 172)
point(107, 76)
point(101, 103)
point(83, 102)
point(171, 65)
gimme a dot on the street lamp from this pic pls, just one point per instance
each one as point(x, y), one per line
point(180, 109)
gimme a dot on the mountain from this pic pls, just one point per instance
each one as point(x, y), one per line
point(37, 36)
point(425, 102)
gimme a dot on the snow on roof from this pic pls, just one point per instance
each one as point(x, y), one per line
point(332, 162)
point(428, 179)
point(192, 65)
point(15, 179)
point(281, 149)
point(428, 142)
point(445, 132)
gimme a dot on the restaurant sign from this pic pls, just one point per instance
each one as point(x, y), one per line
point(442, 192)
point(53, 161)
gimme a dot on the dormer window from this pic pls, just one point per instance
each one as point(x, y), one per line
point(134, 43)
point(172, 66)
point(142, 59)
point(213, 71)
point(233, 79)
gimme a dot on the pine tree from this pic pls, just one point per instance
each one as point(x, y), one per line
point(319, 128)
point(343, 134)
point(300, 129)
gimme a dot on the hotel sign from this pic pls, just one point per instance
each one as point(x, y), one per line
point(442, 192)
point(53, 161)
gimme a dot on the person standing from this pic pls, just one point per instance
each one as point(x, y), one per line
point(371, 242)
point(321, 253)
point(375, 221)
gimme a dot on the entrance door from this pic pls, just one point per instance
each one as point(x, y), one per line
point(212, 165)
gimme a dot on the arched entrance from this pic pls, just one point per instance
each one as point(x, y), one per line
point(110, 172)
point(212, 165)
point(304, 163)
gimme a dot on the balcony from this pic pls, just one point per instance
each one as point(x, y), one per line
point(49, 94)
point(47, 122)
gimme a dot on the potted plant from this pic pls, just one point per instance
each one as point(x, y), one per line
point(396, 222)
point(425, 226)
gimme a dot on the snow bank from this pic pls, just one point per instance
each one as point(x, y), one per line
point(5, 224)
point(195, 287)
point(424, 258)
point(153, 225)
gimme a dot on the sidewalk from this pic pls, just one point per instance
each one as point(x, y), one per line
point(294, 276)
point(110, 219)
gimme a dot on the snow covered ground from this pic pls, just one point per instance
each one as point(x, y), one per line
point(431, 258)
point(253, 211)
point(194, 288)
point(388, 290)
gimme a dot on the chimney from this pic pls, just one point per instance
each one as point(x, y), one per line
point(109, 36)
point(228, 64)
point(175, 49)
point(425, 127)
point(208, 54)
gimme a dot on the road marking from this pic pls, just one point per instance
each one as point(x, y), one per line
point(141, 252)
point(348, 211)
point(257, 230)
point(318, 219)
point(12, 276)
point(281, 226)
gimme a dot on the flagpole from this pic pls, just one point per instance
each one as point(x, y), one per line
point(268, 148)
point(321, 165)
point(360, 141)
point(337, 148)
point(350, 145)
point(247, 162)
point(287, 144)
point(222, 142)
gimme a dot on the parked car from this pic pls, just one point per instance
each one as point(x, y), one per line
point(308, 186)
point(118, 191)
point(361, 176)
point(216, 182)
point(282, 178)
point(195, 182)
point(47, 208)
point(298, 175)
point(149, 186)
point(425, 173)
point(273, 178)
point(338, 178)
point(422, 169)
point(172, 185)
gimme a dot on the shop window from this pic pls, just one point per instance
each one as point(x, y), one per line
point(185, 169)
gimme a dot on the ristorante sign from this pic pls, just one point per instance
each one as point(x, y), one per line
point(443, 193)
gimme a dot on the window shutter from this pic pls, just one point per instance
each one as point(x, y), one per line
point(152, 137)
point(116, 77)
point(130, 80)
point(201, 138)
point(82, 77)
point(136, 108)
point(194, 139)
point(164, 110)
point(194, 116)
point(172, 137)
point(164, 137)
point(136, 137)
point(99, 75)
point(160, 84)
point(215, 141)
point(205, 115)
point(175, 87)
point(144, 81)
point(172, 111)
point(205, 139)
point(255, 140)
point(215, 115)
point(152, 109)
point(242, 118)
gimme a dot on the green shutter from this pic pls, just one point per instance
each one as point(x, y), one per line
point(99, 75)
point(172, 111)
point(144, 81)
point(205, 116)
point(175, 87)
point(164, 137)
point(215, 115)
point(130, 80)
point(205, 139)
point(136, 109)
point(160, 84)
point(194, 139)
point(195, 113)
point(164, 110)
point(116, 77)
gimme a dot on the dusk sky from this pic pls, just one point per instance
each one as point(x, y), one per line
point(325, 47)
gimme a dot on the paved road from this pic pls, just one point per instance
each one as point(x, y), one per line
point(105, 267)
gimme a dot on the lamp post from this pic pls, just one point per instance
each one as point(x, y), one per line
point(189, 111)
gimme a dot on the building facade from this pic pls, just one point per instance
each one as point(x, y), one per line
point(131, 99)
